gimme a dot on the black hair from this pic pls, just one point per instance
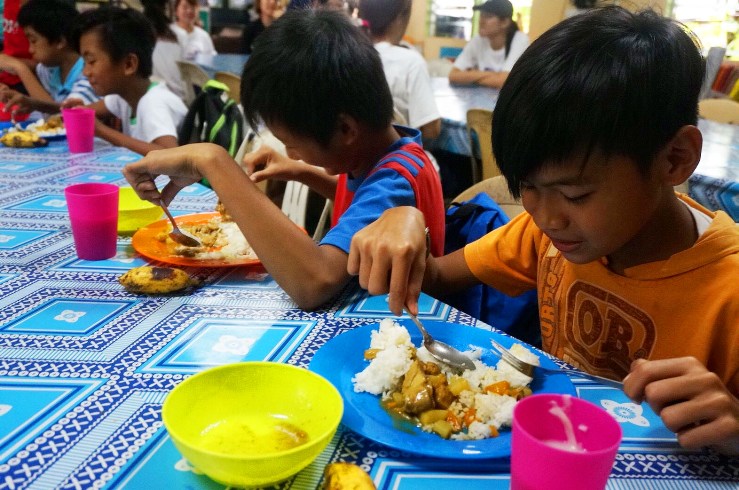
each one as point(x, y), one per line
point(50, 18)
point(502, 9)
point(310, 66)
point(156, 12)
point(381, 13)
point(121, 32)
point(607, 80)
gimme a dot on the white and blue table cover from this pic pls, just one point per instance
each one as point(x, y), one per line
point(85, 366)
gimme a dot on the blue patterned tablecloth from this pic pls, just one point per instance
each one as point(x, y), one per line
point(85, 366)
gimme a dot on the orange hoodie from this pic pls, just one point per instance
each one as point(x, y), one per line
point(599, 321)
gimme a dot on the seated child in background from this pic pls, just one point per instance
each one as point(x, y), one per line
point(317, 83)
point(59, 71)
point(117, 46)
point(634, 280)
point(15, 46)
point(193, 38)
point(488, 58)
point(405, 69)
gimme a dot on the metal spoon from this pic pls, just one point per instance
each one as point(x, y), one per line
point(441, 351)
point(179, 236)
point(532, 370)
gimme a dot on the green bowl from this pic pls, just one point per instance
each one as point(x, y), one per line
point(252, 423)
point(134, 212)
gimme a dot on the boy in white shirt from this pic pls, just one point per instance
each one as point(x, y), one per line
point(117, 46)
point(488, 58)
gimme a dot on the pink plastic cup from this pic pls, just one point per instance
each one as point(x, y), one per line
point(544, 456)
point(93, 212)
point(79, 124)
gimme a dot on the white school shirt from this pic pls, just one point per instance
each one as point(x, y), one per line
point(410, 84)
point(158, 113)
point(164, 60)
point(194, 43)
point(478, 55)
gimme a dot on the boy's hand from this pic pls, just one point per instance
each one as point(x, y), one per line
point(691, 400)
point(267, 163)
point(72, 102)
point(389, 255)
point(180, 164)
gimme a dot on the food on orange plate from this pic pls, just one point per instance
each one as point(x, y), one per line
point(221, 239)
point(156, 280)
point(473, 404)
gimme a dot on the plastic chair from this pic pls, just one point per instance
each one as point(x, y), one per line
point(233, 82)
point(194, 76)
point(480, 122)
point(719, 110)
point(497, 188)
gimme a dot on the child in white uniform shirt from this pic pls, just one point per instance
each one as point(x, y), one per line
point(488, 58)
point(117, 46)
point(193, 39)
point(405, 69)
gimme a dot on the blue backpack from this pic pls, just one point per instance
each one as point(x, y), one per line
point(516, 315)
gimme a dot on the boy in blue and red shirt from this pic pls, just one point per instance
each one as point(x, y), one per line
point(334, 115)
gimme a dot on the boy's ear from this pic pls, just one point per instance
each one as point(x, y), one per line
point(681, 155)
point(348, 129)
point(130, 64)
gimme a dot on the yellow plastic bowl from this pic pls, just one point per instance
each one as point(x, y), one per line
point(134, 213)
point(252, 423)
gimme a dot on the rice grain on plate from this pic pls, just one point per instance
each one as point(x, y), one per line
point(485, 406)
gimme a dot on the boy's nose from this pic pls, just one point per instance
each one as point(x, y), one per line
point(547, 213)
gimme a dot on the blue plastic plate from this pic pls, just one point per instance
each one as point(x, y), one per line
point(343, 356)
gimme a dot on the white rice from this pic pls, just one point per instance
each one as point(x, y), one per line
point(391, 363)
point(236, 245)
point(384, 373)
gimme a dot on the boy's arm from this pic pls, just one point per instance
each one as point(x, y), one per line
point(691, 400)
point(494, 79)
point(390, 256)
point(141, 147)
point(28, 77)
point(309, 273)
point(467, 77)
point(268, 163)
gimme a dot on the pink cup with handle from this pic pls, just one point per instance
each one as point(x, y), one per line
point(562, 442)
point(79, 124)
point(93, 213)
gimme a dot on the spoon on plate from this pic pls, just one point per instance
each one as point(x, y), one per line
point(441, 351)
point(177, 235)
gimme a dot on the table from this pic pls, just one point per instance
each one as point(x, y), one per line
point(232, 63)
point(715, 183)
point(453, 102)
point(85, 366)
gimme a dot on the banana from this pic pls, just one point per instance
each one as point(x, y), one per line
point(346, 476)
point(22, 139)
point(156, 280)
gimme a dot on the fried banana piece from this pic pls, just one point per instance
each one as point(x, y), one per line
point(22, 139)
point(346, 476)
point(156, 280)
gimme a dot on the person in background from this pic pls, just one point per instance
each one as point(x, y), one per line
point(337, 5)
point(193, 38)
point(609, 100)
point(579, 6)
point(405, 69)
point(15, 45)
point(488, 58)
point(267, 11)
point(117, 46)
point(58, 74)
point(167, 50)
point(316, 81)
